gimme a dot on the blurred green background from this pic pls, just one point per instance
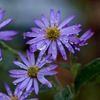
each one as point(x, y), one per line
point(23, 11)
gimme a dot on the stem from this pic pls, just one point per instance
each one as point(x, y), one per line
point(11, 50)
point(59, 83)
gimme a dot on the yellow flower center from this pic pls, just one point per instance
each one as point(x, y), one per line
point(32, 71)
point(14, 98)
point(52, 33)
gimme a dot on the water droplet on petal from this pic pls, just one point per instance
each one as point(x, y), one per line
point(41, 46)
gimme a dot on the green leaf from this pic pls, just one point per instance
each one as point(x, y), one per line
point(64, 65)
point(75, 68)
point(58, 96)
point(66, 94)
point(89, 72)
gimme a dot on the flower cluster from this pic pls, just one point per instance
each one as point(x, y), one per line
point(49, 38)
point(5, 35)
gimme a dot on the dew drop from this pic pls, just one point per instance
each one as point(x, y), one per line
point(41, 46)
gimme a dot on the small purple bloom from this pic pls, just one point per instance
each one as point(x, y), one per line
point(18, 95)
point(5, 35)
point(32, 72)
point(53, 36)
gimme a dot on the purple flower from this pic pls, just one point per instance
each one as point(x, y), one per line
point(5, 35)
point(54, 37)
point(18, 95)
point(32, 72)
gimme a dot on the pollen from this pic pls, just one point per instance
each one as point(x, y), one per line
point(32, 71)
point(14, 98)
point(52, 33)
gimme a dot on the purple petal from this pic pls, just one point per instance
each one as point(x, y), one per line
point(88, 34)
point(41, 45)
point(54, 50)
point(66, 21)
point(8, 89)
point(21, 65)
point(37, 30)
point(6, 22)
point(4, 96)
point(2, 13)
point(42, 52)
point(58, 17)
point(31, 58)
point(62, 50)
point(49, 68)
point(17, 76)
point(29, 85)
point(24, 83)
point(52, 17)
point(17, 71)
point(33, 47)
point(36, 87)
point(24, 59)
point(70, 48)
point(7, 35)
point(45, 20)
point(39, 23)
point(35, 40)
point(75, 29)
point(19, 80)
point(49, 73)
point(44, 81)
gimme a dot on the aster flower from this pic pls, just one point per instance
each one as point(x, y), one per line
point(32, 72)
point(5, 35)
point(18, 95)
point(54, 37)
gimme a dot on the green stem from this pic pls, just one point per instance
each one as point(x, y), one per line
point(58, 82)
point(6, 47)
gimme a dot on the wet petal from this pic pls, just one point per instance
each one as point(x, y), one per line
point(31, 58)
point(45, 20)
point(39, 23)
point(24, 59)
point(2, 13)
point(8, 89)
point(66, 21)
point(36, 87)
point(75, 29)
point(58, 17)
point(62, 50)
point(21, 65)
point(6, 22)
point(52, 17)
point(54, 50)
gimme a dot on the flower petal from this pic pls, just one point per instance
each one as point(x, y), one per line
point(6, 22)
point(54, 50)
point(62, 50)
point(21, 65)
point(58, 17)
point(66, 21)
point(36, 87)
point(31, 58)
point(2, 13)
point(45, 20)
point(52, 17)
point(8, 89)
point(43, 80)
point(39, 23)
point(24, 59)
